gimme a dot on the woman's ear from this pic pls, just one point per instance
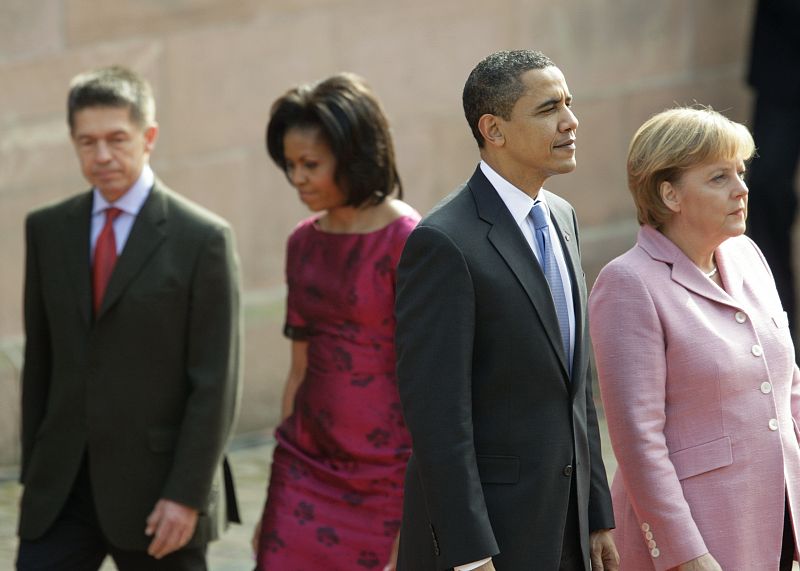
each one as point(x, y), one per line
point(490, 128)
point(670, 196)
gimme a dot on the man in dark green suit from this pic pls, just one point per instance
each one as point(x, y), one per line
point(130, 382)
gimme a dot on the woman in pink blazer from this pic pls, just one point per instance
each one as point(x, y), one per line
point(696, 364)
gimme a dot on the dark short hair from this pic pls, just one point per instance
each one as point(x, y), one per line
point(113, 86)
point(495, 85)
point(352, 122)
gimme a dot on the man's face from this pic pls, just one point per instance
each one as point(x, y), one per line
point(111, 148)
point(539, 137)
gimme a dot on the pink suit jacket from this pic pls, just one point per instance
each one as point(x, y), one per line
point(701, 394)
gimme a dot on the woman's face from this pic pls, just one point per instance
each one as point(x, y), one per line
point(311, 169)
point(710, 199)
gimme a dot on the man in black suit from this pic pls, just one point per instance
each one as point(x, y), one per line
point(506, 471)
point(130, 381)
point(775, 77)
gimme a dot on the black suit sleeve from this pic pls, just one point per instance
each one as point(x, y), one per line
point(601, 513)
point(435, 330)
point(38, 357)
point(212, 363)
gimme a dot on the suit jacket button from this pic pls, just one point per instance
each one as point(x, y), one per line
point(568, 470)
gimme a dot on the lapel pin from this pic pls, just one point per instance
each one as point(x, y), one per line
point(566, 236)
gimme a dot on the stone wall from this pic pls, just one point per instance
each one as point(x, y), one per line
point(216, 66)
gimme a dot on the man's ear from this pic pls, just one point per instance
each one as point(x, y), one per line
point(150, 136)
point(670, 196)
point(490, 127)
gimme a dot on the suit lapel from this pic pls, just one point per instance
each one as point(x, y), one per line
point(77, 254)
point(685, 273)
point(148, 231)
point(509, 242)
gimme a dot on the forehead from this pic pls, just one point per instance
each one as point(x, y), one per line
point(545, 84)
point(100, 120)
point(304, 139)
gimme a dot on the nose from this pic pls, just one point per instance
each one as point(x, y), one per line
point(295, 175)
point(569, 121)
point(102, 154)
point(741, 188)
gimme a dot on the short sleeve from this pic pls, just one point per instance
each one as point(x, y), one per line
point(295, 327)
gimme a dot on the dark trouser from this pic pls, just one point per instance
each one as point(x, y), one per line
point(571, 553)
point(75, 542)
point(787, 551)
point(773, 202)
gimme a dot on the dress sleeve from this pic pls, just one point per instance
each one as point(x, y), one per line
point(295, 327)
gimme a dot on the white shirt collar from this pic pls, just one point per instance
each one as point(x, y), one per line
point(132, 201)
point(517, 202)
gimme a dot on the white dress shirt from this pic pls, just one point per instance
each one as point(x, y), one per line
point(129, 203)
point(519, 205)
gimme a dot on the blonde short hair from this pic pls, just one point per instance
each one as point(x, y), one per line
point(673, 141)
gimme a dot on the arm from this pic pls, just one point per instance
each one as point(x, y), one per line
point(435, 330)
point(601, 512)
point(38, 356)
point(297, 372)
point(630, 352)
point(212, 362)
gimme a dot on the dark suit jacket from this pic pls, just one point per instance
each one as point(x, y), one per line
point(149, 387)
point(497, 425)
point(775, 50)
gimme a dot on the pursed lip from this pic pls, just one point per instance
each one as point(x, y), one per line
point(566, 144)
point(740, 210)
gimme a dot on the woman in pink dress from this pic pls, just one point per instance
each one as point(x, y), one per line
point(335, 494)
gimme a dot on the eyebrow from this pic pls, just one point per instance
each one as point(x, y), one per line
point(553, 101)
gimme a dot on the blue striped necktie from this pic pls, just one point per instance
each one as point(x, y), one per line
point(551, 273)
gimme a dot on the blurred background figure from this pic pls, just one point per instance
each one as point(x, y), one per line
point(696, 362)
point(131, 378)
point(775, 77)
point(335, 493)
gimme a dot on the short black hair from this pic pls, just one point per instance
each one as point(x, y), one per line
point(352, 122)
point(113, 86)
point(495, 85)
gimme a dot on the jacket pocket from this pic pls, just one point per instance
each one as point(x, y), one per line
point(498, 469)
point(162, 439)
point(702, 458)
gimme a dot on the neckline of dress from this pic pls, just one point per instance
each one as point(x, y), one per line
point(316, 228)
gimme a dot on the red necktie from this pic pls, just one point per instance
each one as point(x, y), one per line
point(105, 257)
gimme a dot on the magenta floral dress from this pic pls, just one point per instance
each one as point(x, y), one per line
point(335, 494)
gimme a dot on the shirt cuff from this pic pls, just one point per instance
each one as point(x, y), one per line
point(471, 566)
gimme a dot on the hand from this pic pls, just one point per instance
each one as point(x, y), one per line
point(488, 566)
point(392, 565)
point(705, 562)
point(256, 536)
point(172, 525)
point(603, 551)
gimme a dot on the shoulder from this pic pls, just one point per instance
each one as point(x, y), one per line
point(183, 209)
point(303, 229)
point(50, 212)
point(399, 209)
point(626, 274)
point(452, 212)
point(555, 202)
